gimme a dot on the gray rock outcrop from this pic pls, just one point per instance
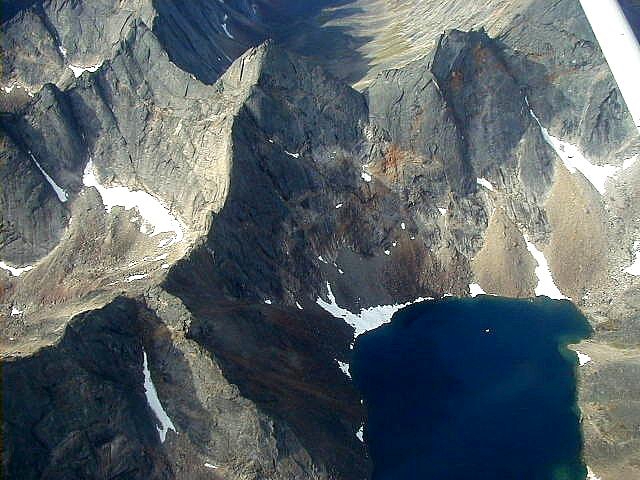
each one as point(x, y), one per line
point(286, 182)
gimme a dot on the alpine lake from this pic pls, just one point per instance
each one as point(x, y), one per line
point(477, 388)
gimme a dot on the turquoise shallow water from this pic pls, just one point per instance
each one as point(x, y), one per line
point(477, 388)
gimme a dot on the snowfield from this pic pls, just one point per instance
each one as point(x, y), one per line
point(583, 358)
point(574, 160)
point(344, 367)
point(485, 183)
point(591, 475)
point(77, 70)
point(154, 402)
point(150, 208)
point(62, 195)
point(15, 271)
point(546, 285)
point(368, 318)
point(475, 290)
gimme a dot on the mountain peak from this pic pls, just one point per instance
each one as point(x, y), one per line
point(196, 223)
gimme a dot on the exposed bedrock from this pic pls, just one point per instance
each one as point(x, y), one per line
point(286, 182)
point(90, 417)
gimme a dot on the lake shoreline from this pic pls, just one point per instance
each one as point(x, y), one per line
point(424, 347)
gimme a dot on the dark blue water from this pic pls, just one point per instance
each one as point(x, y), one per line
point(473, 389)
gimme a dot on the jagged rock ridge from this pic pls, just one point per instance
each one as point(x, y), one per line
point(268, 171)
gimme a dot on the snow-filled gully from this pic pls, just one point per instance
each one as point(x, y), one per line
point(154, 402)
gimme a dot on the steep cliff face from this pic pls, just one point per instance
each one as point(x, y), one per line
point(50, 41)
point(97, 364)
point(208, 36)
point(92, 413)
point(128, 111)
point(569, 84)
point(44, 41)
point(33, 218)
point(196, 225)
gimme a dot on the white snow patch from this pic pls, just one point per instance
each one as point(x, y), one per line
point(403, 226)
point(339, 205)
point(574, 160)
point(366, 176)
point(268, 302)
point(387, 252)
point(620, 48)
point(133, 278)
point(15, 271)
point(591, 475)
point(165, 266)
point(62, 195)
point(368, 318)
point(546, 285)
point(443, 211)
point(210, 465)
point(634, 268)
point(344, 367)
point(154, 402)
point(77, 70)
point(322, 259)
point(150, 208)
point(484, 183)
point(294, 155)
point(10, 88)
point(298, 306)
point(340, 271)
point(15, 312)
point(225, 28)
point(475, 290)
point(583, 358)
point(63, 51)
point(360, 433)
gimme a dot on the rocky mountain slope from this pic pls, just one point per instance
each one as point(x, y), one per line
point(170, 222)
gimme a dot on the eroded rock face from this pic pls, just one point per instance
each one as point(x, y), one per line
point(568, 82)
point(284, 180)
point(87, 415)
point(33, 218)
point(90, 416)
